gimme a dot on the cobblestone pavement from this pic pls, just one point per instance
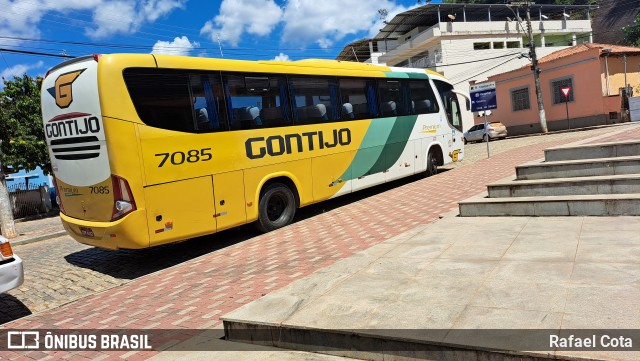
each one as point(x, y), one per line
point(24, 228)
point(234, 267)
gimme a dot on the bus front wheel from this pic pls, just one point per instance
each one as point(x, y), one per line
point(276, 208)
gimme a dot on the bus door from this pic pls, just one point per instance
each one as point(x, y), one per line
point(228, 190)
point(453, 111)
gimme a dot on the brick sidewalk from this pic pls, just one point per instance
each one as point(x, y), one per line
point(196, 293)
point(632, 133)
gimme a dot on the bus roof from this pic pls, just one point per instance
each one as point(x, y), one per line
point(303, 67)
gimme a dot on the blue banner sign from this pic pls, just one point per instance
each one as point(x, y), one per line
point(483, 96)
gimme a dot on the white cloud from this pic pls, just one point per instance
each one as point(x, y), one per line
point(282, 57)
point(392, 11)
point(103, 16)
point(327, 22)
point(256, 17)
point(155, 9)
point(19, 70)
point(127, 17)
point(109, 17)
point(179, 46)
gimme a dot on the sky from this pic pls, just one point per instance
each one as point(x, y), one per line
point(285, 30)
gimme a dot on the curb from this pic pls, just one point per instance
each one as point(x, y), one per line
point(569, 130)
point(42, 237)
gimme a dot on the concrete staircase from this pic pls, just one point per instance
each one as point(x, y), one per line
point(585, 180)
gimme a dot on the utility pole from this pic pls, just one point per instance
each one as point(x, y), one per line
point(6, 214)
point(536, 71)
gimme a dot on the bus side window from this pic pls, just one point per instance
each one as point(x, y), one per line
point(315, 99)
point(394, 98)
point(256, 101)
point(161, 98)
point(208, 103)
point(357, 99)
point(423, 100)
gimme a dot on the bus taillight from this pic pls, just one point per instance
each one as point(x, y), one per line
point(123, 202)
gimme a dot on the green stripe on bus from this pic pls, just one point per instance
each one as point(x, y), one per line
point(370, 149)
point(396, 143)
point(396, 75)
point(401, 75)
point(381, 147)
point(418, 76)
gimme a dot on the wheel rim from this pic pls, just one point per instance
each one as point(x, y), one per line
point(276, 206)
point(434, 165)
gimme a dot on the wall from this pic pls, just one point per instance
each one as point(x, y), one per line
point(457, 51)
point(616, 73)
point(588, 107)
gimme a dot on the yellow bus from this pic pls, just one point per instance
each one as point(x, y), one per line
point(150, 149)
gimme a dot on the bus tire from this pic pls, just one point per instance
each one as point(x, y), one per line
point(276, 208)
point(432, 164)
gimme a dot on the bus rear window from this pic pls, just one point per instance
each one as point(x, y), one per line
point(161, 98)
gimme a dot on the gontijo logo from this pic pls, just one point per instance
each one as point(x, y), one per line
point(62, 90)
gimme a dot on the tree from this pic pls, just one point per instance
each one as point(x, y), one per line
point(21, 132)
point(21, 128)
point(632, 32)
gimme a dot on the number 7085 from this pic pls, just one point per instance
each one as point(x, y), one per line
point(190, 156)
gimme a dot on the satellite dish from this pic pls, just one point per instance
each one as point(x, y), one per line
point(544, 17)
point(566, 16)
point(451, 16)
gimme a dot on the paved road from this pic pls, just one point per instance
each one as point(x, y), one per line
point(60, 270)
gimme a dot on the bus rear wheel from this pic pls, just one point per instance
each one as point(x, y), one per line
point(432, 164)
point(276, 208)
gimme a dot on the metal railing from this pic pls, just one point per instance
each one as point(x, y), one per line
point(427, 61)
point(29, 200)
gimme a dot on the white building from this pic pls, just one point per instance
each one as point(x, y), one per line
point(470, 42)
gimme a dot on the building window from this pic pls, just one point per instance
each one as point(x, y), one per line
point(498, 45)
point(557, 85)
point(481, 46)
point(520, 99)
point(513, 44)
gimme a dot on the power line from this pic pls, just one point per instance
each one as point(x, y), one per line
point(145, 46)
point(504, 62)
point(8, 67)
point(37, 53)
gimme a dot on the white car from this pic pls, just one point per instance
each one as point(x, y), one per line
point(477, 133)
point(11, 271)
